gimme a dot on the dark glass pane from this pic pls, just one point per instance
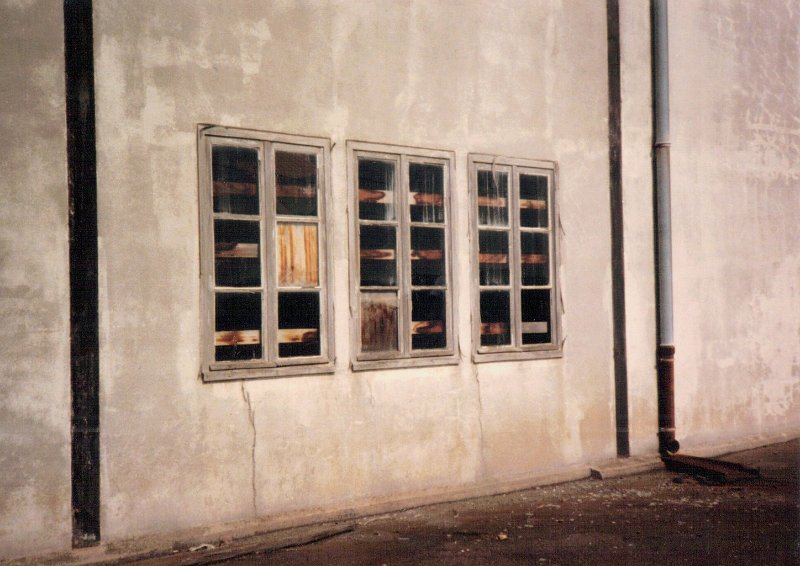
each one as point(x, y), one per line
point(375, 190)
point(378, 257)
point(296, 183)
point(492, 198)
point(237, 326)
point(495, 318)
point(534, 258)
point(298, 324)
point(427, 257)
point(428, 320)
point(426, 183)
point(493, 257)
point(234, 171)
point(298, 264)
point(379, 322)
point(533, 201)
point(535, 308)
point(236, 253)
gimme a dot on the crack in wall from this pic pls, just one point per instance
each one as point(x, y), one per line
point(252, 418)
point(480, 421)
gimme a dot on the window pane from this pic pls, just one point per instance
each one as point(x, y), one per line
point(296, 183)
point(379, 322)
point(237, 328)
point(298, 324)
point(533, 201)
point(428, 319)
point(492, 198)
point(234, 171)
point(426, 183)
point(236, 253)
point(298, 261)
point(427, 256)
point(495, 320)
point(534, 258)
point(493, 257)
point(535, 307)
point(375, 190)
point(378, 246)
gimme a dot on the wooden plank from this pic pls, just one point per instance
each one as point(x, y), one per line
point(493, 258)
point(430, 255)
point(298, 263)
point(534, 327)
point(534, 204)
point(290, 335)
point(236, 337)
point(492, 202)
point(233, 249)
point(230, 188)
point(427, 327)
point(427, 198)
point(376, 197)
point(377, 254)
point(494, 328)
point(379, 323)
point(533, 258)
point(296, 191)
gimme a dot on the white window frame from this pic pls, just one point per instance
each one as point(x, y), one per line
point(402, 157)
point(266, 143)
point(516, 350)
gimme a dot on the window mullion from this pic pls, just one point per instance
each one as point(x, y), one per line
point(404, 259)
point(516, 267)
point(269, 275)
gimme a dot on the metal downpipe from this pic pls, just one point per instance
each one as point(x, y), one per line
point(666, 348)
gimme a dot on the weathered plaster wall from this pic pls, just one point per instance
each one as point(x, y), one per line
point(34, 282)
point(523, 79)
point(735, 97)
point(637, 183)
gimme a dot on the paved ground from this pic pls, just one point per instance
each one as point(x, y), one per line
point(652, 518)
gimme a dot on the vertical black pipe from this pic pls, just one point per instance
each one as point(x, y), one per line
point(617, 236)
point(665, 354)
point(84, 341)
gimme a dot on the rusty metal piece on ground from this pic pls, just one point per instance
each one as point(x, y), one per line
point(717, 471)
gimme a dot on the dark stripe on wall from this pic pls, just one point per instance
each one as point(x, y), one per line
point(617, 236)
point(84, 342)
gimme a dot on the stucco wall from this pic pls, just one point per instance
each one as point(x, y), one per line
point(34, 282)
point(637, 183)
point(735, 97)
point(525, 79)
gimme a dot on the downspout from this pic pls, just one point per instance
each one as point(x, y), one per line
point(665, 353)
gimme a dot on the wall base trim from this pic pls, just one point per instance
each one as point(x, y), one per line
point(151, 545)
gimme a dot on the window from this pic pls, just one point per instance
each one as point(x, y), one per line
point(516, 292)
point(263, 254)
point(401, 276)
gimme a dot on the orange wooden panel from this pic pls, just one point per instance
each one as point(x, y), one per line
point(377, 254)
point(492, 258)
point(533, 258)
point(427, 198)
point(233, 249)
point(236, 337)
point(231, 188)
point(430, 255)
point(287, 335)
point(298, 262)
point(380, 197)
point(534, 204)
point(427, 327)
point(494, 328)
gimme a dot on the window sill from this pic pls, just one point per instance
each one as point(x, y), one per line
point(212, 375)
point(405, 363)
point(513, 356)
